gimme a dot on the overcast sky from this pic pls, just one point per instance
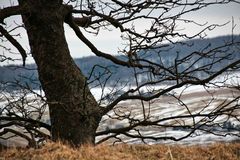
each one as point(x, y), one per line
point(110, 41)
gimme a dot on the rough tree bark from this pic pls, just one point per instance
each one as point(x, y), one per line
point(74, 112)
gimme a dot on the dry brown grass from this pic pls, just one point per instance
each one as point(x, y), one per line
point(57, 151)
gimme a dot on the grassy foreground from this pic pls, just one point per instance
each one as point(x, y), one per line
point(57, 151)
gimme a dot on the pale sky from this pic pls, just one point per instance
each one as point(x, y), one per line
point(110, 41)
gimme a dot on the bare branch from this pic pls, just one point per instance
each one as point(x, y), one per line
point(94, 49)
point(14, 43)
point(11, 11)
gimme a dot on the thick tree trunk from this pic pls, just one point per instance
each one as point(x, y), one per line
point(74, 113)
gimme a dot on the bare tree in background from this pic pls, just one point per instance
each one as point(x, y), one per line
point(74, 113)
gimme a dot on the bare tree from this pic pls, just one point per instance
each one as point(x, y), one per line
point(74, 113)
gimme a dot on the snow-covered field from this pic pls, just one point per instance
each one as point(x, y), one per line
point(197, 101)
point(193, 99)
point(189, 100)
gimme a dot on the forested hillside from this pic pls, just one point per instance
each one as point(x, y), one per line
point(94, 67)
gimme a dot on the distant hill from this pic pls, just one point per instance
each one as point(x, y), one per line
point(164, 56)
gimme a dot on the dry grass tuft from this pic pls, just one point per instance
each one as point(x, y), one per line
point(58, 151)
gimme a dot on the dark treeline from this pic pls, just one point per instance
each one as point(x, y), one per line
point(94, 67)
